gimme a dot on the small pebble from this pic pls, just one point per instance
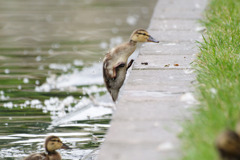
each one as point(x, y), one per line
point(144, 63)
point(167, 65)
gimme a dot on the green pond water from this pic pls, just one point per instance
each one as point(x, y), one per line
point(50, 71)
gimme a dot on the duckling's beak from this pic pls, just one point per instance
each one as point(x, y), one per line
point(151, 39)
point(64, 146)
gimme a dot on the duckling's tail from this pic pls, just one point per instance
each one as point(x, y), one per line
point(114, 94)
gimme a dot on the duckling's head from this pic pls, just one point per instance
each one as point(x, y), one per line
point(141, 35)
point(53, 143)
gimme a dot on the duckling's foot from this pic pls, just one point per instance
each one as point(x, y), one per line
point(130, 64)
point(119, 65)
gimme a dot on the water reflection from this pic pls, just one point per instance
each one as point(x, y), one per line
point(51, 74)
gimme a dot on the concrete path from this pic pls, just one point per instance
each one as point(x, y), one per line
point(156, 97)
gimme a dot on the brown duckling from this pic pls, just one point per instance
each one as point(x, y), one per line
point(52, 143)
point(228, 145)
point(115, 61)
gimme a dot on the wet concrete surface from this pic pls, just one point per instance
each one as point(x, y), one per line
point(157, 96)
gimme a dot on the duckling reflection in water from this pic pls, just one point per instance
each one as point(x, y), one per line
point(52, 143)
point(228, 145)
point(115, 61)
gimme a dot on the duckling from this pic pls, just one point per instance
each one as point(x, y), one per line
point(228, 145)
point(238, 128)
point(52, 143)
point(115, 61)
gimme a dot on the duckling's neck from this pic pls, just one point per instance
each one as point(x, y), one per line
point(132, 42)
point(54, 155)
point(51, 152)
point(131, 46)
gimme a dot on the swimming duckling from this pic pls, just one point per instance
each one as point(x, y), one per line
point(52, 143)
point(228, 145)
point(115, 61)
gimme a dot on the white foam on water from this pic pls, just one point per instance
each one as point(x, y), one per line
point(63, 67)
point(88, 76)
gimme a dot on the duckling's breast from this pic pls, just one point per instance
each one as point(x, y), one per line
point(55, 156)
point(121, 53)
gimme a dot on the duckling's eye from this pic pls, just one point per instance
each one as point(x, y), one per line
point(143, 34)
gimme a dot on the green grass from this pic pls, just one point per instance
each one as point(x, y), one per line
point(218, 76)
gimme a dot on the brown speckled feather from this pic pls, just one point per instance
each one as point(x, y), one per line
point(37, 156)
point(44, 156)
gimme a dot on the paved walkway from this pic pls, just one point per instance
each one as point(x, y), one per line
point(157, 95)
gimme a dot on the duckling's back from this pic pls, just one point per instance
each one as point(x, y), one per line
point(37, 156)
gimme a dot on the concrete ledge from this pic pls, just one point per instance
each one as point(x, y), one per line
point(125, 151)
point(169, 48)
point(168, 81)
point(155, 99)
point(163, 61)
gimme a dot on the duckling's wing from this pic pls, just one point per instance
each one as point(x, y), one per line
point(37, 156)
point(106, 73)
point(111, 72)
